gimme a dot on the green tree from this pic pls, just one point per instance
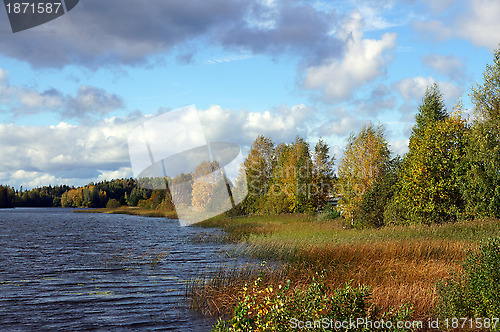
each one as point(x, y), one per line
point(289, 190)
point(429, 188)
point(258, 167)
point(112, 204)
point(375, 201)
point(482, 188)
point(7, 197)
point(321, 186)
point(365, 157)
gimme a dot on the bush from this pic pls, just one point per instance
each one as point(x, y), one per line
point(329, 213)
point(145, 204)
point(476, 292)
point(113, 204)
point(375, 201)
point(266, 308)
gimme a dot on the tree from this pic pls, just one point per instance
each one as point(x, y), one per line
point(482, 188)
point(322, 175)
point(136, 195)
point(375, 201)
point(112, 204)
point(291, 179)
point(7, 197)
point(365, 157)
point(206, 177)
point(429, 188)
point(259, 165)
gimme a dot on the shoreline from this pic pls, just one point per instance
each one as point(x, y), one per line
point(131, 210)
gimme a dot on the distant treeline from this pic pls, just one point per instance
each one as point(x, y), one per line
point(93, 195)
point(112, 193)
point(7, 197)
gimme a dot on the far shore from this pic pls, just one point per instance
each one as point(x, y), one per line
point(132, 210)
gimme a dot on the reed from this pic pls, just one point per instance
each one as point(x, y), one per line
point(136, 211)
point(126, 258)
point(401, 265)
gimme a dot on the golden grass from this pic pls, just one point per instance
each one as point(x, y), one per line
point(133, 210)
point(400, 264)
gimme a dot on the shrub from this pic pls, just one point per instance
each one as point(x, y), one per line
point(266, 308)
point(113, 204)
point(476, 292)
point(375, 201)
point(145, 203)
point(329, 213)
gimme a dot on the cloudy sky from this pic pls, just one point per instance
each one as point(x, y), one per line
point(72, 90)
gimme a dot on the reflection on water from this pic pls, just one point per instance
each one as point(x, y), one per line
point(73, 271)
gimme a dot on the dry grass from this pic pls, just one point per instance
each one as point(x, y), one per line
point(217, 295)
point(398, 272)
point(400, 264)
point(132, 210)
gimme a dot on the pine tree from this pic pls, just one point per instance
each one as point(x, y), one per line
point(322, 175)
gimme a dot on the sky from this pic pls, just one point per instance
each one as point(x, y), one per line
point(72, 90)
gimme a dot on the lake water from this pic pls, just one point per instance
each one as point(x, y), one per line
point(61, 270)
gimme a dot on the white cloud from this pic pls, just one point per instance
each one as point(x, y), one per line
point(3, 75)
point(282, 123)
point(340, 124)
point(440, 6)
point(477, 21)
point(52, 154)
point(448, 65)
point(399, 146)
point(32, 179)
point(414, 88)
point(373, 15)
point(413, 91)
point(79, 154)
point(340, 127)
point(123, 172)
point(63, 125)
point(34, 100)
point(481, 24)
point(433, 30)
point(88, 100)
point(363, 61)
point(451, 92)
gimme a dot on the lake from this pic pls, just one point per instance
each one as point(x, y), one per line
point(61, 270)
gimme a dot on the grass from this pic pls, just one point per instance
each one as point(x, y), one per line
point(127, 259)
point(401, 264)
point(132, 210)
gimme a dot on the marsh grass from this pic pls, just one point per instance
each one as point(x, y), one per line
point(217, 294)
point(400, 264)
point(136, 211)
point(126, 259)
